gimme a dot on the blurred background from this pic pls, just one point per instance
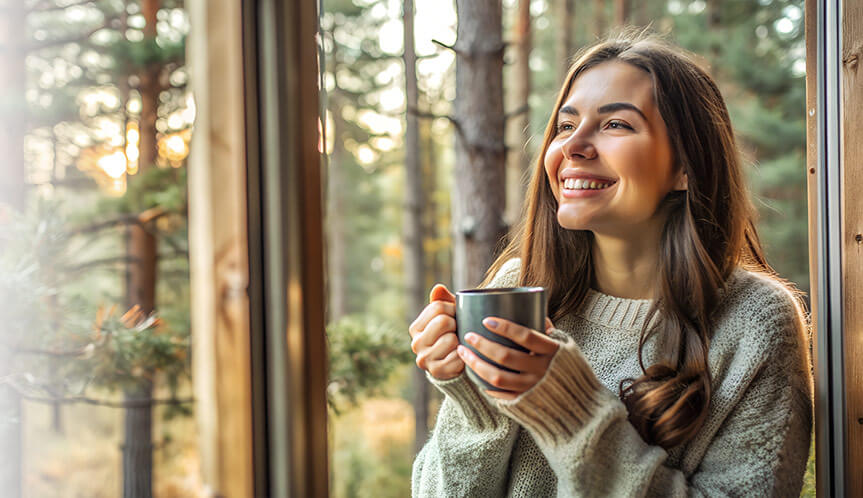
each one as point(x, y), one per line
point(97, 117)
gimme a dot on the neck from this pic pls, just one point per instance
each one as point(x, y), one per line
point(626, 267)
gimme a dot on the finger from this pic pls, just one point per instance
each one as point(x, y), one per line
point(523, 336)
point(440, 293)
point(447, 368)
point(437, 350)
point(505, 356)
point(508, 381)
point(437, 327)
point(548, 325)
point(508, 395)
point(432, 310)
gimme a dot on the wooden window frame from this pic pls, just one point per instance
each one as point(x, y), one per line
point(834, 147)
point(256, 249)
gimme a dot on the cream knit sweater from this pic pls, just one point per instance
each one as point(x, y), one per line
point(569, 435)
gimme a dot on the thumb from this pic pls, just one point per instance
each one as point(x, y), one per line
point(440, 293)
point(548, 324)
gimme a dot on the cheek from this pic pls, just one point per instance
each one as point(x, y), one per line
point(552, 159)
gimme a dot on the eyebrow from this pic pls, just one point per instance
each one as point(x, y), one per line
point(607, 108)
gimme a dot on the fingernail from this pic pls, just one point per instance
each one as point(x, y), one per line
point(490, 322)
point(470, 337)
point(462, 351)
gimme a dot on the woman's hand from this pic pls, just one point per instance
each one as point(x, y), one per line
point(433, 336)
point(531, 365)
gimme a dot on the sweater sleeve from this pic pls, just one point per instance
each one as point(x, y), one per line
point(469, 449)
point(468, 452)
point(759, 450)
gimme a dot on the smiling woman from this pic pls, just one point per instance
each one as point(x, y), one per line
point(679, 361)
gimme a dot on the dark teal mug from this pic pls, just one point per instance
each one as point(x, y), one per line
point(523, 305)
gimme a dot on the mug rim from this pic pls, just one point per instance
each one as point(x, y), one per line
point(501, 290)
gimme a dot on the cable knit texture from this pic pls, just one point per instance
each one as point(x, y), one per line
point(569, 435)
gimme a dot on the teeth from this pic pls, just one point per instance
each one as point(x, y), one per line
point(572, 184)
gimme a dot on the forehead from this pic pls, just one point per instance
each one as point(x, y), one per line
point(612, 81)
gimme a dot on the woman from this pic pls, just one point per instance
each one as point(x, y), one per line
point(679, 363)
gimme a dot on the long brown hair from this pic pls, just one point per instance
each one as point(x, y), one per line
point(709, 231)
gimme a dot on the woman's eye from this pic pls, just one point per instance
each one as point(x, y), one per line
point(618, 125)
point(564, 127)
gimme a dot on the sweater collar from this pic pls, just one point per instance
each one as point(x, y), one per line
point(627, 314)
point(614, 312)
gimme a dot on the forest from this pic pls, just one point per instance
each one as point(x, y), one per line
point(98, 115)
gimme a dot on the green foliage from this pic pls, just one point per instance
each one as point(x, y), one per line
point(127, 351)
point(33, 250)
point(757, 68)
point(162, 188)
point(85, 347)
point(129, 55)
point(363, 353)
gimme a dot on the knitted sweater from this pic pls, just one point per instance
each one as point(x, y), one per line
point(569, 435)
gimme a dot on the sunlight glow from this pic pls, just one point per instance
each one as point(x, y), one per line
point(366, 155)
point(133, 138)
point(392, 99)
point(784, 25)
point(114, 164)
point(176, 148)
point(391, 36)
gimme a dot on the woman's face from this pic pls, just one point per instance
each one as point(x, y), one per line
point(610, 162)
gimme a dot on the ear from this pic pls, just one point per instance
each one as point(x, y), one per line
point(682, 182)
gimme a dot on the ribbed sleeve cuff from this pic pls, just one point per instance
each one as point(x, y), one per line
point(566, 399)
point(475, 408)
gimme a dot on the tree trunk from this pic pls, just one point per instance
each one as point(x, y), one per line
point(13, 105)
point(141, 278)
point(640, 13)
point(714, 23)
point(138, 446)
point(518, 126)
point(479, 199)
point(413, 222)
point(621, 12)
point(563, 40)
point(599, 18)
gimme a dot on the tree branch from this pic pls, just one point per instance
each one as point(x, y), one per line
point(51, 352)
point(80, 38)
point(515, 112)
point(130, 403)
point(148, 216)
point(103, 261)
point(473, 53)
point(427, 115)
point(444, 45)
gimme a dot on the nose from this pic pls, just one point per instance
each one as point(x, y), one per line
point(579, 145)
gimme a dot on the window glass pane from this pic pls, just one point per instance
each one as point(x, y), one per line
point(754, 50)
point(96, 125)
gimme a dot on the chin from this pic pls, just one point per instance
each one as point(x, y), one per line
point(571, 224)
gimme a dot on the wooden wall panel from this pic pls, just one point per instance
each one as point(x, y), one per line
point(852, 236)
point(219, 250)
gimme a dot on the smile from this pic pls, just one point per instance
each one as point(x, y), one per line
point(579, 184)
